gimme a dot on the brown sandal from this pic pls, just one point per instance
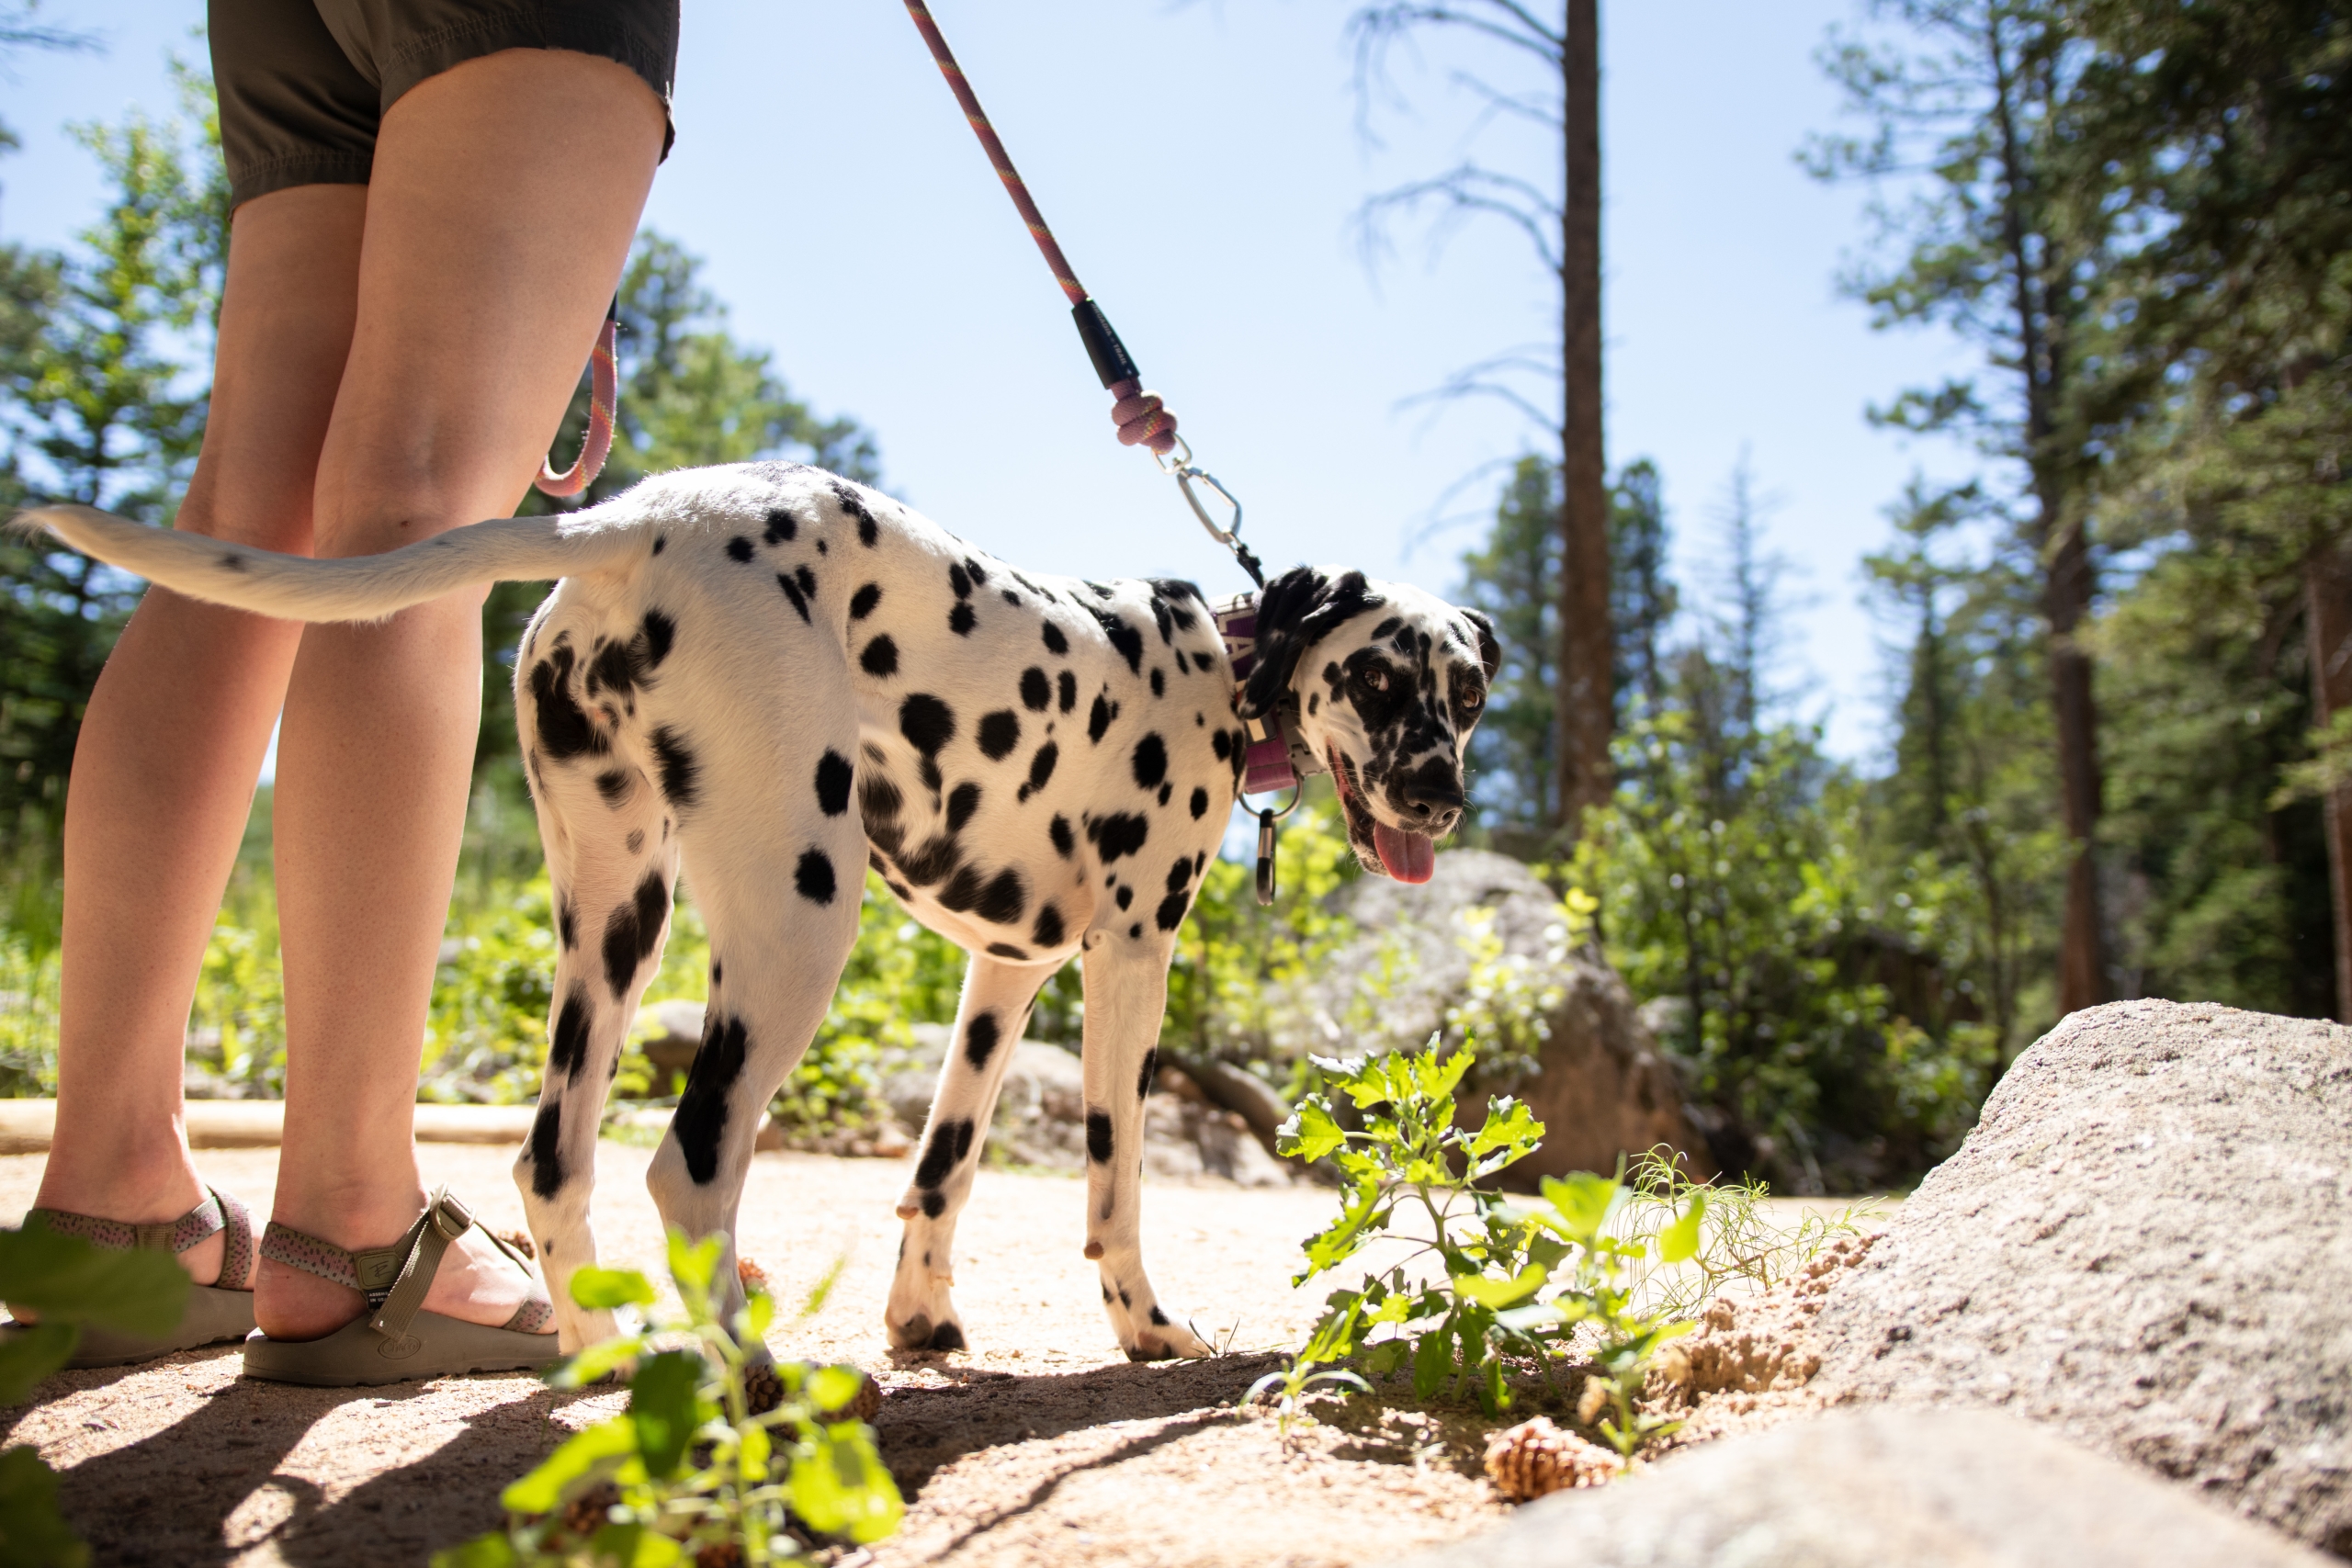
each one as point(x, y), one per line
point(214, 1312)
point(395, 1340)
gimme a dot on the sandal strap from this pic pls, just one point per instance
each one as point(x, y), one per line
point(239, 1258)
point(172, 1236)
point(395, 1279)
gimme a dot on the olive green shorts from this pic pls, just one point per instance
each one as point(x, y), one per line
point(304, 84)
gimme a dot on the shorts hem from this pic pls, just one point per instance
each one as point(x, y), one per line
point(299, 169)
point(534, 27)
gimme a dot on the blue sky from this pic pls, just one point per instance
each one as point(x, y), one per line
point(1203, 164)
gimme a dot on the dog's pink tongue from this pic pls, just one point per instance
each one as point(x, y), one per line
point(1408, 857)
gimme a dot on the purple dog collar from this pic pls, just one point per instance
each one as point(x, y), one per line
point(1273, 758)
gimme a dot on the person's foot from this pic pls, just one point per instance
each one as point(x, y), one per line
point(476, 1282)
point(153, 1196)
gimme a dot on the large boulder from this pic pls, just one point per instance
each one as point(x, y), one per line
point(1601, 1087)
point(1879, 1488)
point(2144, 1244)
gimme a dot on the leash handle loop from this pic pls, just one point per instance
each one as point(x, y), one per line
point(603, 400)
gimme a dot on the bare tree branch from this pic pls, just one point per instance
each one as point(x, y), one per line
point(1465, 192)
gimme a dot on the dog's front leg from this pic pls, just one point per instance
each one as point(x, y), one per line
point(989, 1023)
point(1126, 996)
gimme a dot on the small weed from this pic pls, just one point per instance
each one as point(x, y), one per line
point(1542, 1281)
point(690, 1472)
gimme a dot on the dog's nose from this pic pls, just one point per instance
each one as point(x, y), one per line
point(1432, 800)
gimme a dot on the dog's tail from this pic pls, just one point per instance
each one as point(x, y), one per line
point(355, 588)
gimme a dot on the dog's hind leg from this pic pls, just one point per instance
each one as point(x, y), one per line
point(612, 862)
point(1126, 994)
point(989, 1023)
point(776, 860)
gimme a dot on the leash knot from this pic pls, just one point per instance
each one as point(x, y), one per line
point(1143, 420)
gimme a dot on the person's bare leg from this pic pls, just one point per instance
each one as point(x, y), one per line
point(504, 196)
point(164, 770)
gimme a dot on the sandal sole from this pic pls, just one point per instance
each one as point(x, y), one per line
point(357, 1355)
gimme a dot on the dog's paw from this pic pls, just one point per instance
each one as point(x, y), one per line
point(919, 1333)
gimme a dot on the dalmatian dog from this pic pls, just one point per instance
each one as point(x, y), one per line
point(772, 678)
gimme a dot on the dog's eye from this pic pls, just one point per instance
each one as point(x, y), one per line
point(1472, 700)
point(1376, 677)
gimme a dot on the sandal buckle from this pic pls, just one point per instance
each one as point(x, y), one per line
point(450, 1217)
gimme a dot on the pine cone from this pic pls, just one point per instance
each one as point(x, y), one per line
point(864, 1406)
point(754, 1278)
point(719, 1554)
point(1536, 1457)
point(520, 1241)
point(585, 1515)
point(763, 1390)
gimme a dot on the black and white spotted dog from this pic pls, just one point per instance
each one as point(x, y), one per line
point(777, 678)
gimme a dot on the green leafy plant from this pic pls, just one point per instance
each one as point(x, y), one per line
point(691, 1471)
point(1485, 1280)
point(65, 1282)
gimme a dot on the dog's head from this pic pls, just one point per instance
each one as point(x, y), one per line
point(1384, 683)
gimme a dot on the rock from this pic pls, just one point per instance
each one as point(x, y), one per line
point(1041, 1115)
point(672, 1034)
point(1875, 1489)
point(1602, 1086)
point(1245, 1094)
point(2145, 1244)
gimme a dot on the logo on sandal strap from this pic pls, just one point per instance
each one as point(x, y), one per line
point(400, 1347)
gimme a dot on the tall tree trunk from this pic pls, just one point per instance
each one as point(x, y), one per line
point(2327, 585)
point(2066, 592)
point(1586, 713)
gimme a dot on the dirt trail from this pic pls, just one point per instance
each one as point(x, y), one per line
point(1039, 1445)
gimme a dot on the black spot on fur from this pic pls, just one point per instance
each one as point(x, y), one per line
point(806, 579)
point(565, 730)
point(1055, 641)
point(569, 1049)
point(1159, 682)
point(701, 1116)
point(980, 573)
point(1118, 834)
point(1006, 950)
point(1165, 791)
point(1004, 899)
point(782, 527)
point(862, 603)
point(1151, 762)
point(1171, 911)
point(1036, 692)
point(1150, 1067)
point(1134, 932)
point(927, 723)
point(1200, 804)
point(659, 633)
point(931, 862)
point(1222, 744)
point(934, 1204)
point(950, 1141)
point(1100, 718)
point(792, 590)
point(1047, 933)
point(1125, 637)
point(960, 620)
point(959, 580)
point(850, 503)
point(833, 777)
point(547, 1150)
point(613, 784)
point(1159, 1318)
point(1069, 688)
point(660, 540)
point(1098, 1136)
point(980, 1039)
point(566, 924)
point(1386, 629)
point(962, 801)
point(636, 840)
point(738, 548)
point(1041, 766)
point(1063, 842)
point(680, 774)
point(881, 657)
point(1000, 733)
point(813, 877)
point(1159, 614)
point(1126, 895)
point(633, 931)
point(878, 801)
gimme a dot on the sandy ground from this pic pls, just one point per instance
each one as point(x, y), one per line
point(1041, 1445)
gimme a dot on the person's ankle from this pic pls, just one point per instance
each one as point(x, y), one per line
point(137, 1186)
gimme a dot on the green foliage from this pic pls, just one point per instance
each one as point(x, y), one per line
point(67, 1282)
point(690, 1466)
point(1485, 1282)
point(1728, 875)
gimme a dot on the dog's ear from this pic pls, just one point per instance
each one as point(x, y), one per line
point(1297, 611)
point(1490, 651)
point(1282, 609)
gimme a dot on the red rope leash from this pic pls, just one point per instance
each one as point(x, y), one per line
point(603, 396)
point(1142, 419)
